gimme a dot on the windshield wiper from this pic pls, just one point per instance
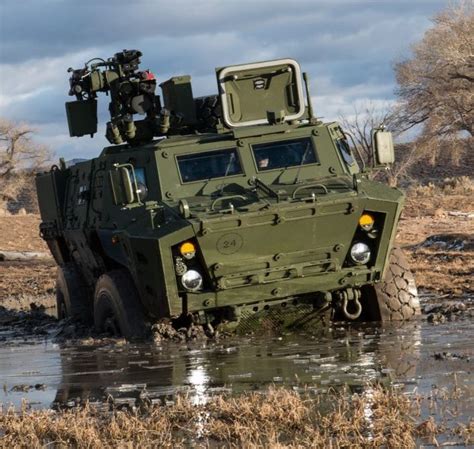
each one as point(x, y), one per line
point(305, 154)
point(229, 164)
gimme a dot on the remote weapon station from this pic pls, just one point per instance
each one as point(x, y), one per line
point(234, 209)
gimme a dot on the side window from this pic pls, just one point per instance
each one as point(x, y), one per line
point(142, 190)
point(82, 195)
point(345, 151)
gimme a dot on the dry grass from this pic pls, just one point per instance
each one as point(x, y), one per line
point(21, 233)
point(280, 418)
point(462, 185)
point(437, 199)
point(429, 212)
point(447, 274)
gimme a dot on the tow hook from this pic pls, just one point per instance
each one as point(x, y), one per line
point(350, 296)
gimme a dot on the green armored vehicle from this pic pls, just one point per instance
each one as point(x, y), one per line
point(219, 209)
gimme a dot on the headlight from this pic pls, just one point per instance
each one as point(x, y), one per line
point(360, 253)
point(191, 280)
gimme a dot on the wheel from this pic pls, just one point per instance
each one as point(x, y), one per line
point(72, 298)
point(208, 111)
point(117, 307)
point(396, 297)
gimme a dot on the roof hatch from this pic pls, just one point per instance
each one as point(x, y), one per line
point(261, 93)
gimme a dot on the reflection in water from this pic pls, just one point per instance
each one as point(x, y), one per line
point(198, 381)
point(129, 374)
point(368, 411)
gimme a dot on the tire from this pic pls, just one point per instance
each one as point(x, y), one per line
point(72, 296)
point(208, 111)
point(117, 307)
point(396, 297)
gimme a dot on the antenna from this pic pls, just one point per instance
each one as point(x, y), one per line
point(308, 98)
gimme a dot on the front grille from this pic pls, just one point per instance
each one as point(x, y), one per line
point(287, 315)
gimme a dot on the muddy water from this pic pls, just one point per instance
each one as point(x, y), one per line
point(411, 355)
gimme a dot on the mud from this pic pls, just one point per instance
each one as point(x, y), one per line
point(23, 282)
point(43, 365)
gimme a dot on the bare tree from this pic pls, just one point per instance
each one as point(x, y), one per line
point(20, 156)
point(436, 85)
point(406, 156)
point(360, 125)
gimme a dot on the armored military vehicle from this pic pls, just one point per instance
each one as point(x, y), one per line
point(219, 209)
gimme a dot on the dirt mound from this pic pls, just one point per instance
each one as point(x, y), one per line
point(448, 242)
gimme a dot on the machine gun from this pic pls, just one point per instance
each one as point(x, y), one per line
point(131, 92)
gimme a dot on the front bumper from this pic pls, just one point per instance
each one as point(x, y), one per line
point(329, 281)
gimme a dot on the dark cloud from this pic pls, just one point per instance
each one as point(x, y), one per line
point(347, 46)
point(48, 28)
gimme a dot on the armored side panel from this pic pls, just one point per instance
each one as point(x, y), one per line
point(178, 97)
point(261, 93)
point(51, 187)
point(81, 117)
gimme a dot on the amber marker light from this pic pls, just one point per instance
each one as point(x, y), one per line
point(366, 222)
point(187, 250)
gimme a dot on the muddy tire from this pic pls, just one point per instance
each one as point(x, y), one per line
point(72, 295)
point(208, 111)
point(396, 297)
point(117, 307)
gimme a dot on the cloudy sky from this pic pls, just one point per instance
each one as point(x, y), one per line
point(347, 47)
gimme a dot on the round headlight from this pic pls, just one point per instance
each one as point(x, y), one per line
point(191, 280)
point(360, 253)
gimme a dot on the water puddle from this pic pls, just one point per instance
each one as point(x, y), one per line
point(417, 356)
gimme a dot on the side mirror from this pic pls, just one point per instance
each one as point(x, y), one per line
point(122, 188)
point(382, 147)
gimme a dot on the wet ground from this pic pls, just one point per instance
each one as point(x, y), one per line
point(418, 357)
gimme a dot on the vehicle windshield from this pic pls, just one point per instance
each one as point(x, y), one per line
point(209, 165)
point(289, 153)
